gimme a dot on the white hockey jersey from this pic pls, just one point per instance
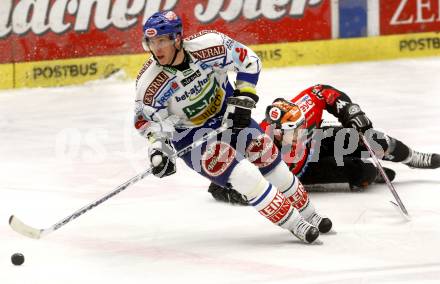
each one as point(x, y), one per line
point(167, 98)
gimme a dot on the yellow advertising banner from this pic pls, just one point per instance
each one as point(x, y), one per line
point(75, 71)
point(80, 70)
point(6, 76)
point(349, 50)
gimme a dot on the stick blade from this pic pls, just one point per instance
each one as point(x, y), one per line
point(402, 211)
point(23, 229)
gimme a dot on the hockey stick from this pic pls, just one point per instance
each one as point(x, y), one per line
point(28, 231)
point(399, 205)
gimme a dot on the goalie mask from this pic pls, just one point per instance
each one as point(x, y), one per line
point(287, 118)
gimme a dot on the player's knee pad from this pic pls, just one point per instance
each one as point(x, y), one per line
point(281, 177)
point(247, 179)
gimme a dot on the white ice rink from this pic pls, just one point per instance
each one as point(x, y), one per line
point(62, 148)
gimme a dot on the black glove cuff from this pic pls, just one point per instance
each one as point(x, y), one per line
point(252, 96)
point(246, 104)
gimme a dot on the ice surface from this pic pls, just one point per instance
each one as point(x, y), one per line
point(62, 148)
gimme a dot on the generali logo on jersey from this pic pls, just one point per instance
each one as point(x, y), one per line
point(41, 16)
point(154, 87)
point(209, 52)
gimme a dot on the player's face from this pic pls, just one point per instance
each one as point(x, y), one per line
point(163, 48)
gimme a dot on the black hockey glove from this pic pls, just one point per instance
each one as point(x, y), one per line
point(161, 157)
point(356, 118)
point(238, 111)
point(227, 194)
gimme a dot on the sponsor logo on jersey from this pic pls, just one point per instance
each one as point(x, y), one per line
point(202, 104)
point(209, 105)
point(187, 72)
point(174, 86)
point(306, 103)
point(170, 70)
point(191, 78)
point(217, 158)
point(154, 87)
point(196, 91)
point(204, 66)
point(210, 52)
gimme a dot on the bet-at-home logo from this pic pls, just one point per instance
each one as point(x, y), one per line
point(196, 91)
point(209, 103)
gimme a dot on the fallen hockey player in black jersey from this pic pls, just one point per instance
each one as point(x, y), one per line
point(323, 166)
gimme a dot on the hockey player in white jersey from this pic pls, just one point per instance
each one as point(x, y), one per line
point(183, 92)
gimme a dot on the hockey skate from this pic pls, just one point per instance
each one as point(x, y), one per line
point(305, 231)
point(420, 160)
point(324, 224)
point(390, 174)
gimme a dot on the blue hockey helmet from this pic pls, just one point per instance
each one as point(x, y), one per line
point(162, 23)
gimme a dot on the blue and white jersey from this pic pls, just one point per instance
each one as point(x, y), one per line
point(169, 99)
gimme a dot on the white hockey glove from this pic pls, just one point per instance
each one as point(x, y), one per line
point(238, 111)
point(163, 163)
